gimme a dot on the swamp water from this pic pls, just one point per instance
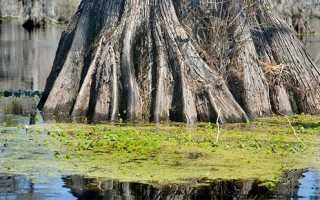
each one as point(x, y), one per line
point(25, 61)
point(77, 187)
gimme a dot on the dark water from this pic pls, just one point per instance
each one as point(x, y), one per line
point(302, 185)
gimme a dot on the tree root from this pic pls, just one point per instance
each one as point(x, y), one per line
point(136, 60)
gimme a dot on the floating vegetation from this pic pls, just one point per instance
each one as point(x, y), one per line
point(262, 149)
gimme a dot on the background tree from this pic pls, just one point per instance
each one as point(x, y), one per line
point(181, 60)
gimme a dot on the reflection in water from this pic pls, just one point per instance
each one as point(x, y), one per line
point(312, 41)
point(26, 57)
point(15, 111)
point(25, 62)
point(93, 189)
point(312, 44)
point(20, 188)
point(296, 185)
point(310, 185)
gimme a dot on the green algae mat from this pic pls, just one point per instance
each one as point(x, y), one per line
point(164, 153)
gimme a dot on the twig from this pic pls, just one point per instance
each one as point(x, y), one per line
point(218, 128)
point(294, 131)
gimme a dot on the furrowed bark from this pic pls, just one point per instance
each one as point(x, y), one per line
point(164, 86)
point(71, 68)
point(252, 86)
point(141, 60)
point(300, 80)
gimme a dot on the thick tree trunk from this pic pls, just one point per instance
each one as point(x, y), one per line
point(143, 60)
point(296, 87)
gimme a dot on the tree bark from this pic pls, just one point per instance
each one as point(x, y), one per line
point(143, 60)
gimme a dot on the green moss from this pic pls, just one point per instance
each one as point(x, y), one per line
point(262, 149)
point(167, 153)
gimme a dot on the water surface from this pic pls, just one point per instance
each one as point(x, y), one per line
point(24, 151)
point(26, 57)
point(79, 187)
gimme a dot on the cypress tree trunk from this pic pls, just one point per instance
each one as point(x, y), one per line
point(149, 60)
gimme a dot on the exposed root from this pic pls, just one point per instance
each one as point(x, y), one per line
point(138, 60)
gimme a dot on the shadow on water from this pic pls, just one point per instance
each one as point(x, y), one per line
point(295, 185)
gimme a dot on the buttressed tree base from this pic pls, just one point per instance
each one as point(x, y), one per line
point(179, 60)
